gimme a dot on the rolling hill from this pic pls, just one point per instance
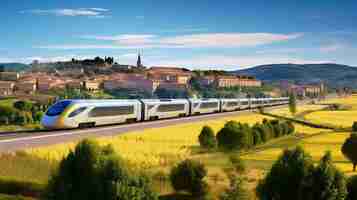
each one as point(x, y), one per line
point(15, 66)
point(334, 75)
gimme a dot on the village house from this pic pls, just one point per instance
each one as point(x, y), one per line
point(130, 81)
point(230, 81)
point(303, 90)
point(170, 74)
point(6, 88)
point(9, 76)
point(92, 85)
point(26, 86)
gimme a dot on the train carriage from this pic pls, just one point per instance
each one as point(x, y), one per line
point(164, 108)
point(88, 113)
point(244, 103)
point(229, 105)
point(204, 106)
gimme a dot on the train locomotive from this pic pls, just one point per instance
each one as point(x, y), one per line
point(67, 114)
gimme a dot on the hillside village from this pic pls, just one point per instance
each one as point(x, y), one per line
point(104, 75)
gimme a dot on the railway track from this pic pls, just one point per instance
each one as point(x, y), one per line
point(15, 141)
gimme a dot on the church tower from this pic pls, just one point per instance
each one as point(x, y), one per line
point(138, 63)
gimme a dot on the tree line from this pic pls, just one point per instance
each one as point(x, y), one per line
point(21, 113)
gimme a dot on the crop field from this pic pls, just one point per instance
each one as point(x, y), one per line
point(300, 110)
point(160, 148)
point(341, 118)
point(152, 147)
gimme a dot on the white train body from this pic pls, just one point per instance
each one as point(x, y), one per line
point(230, 105)
point(244, 103)
point(164, 108)
point(88, 113)
point(204, 106)
point(77, 113)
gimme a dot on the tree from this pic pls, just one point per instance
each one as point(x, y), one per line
point(328, 183)
point(354, 127)
point(236, 190)
point(38, 116)
point(292, 103)
point(286, 179)
point(352, 188)
point(95, 173)
point(238, 163)
point(207, 138)
point(25, 106)
point(233, 136)
point(2, 68)
point(188, 176)
point(349, 149)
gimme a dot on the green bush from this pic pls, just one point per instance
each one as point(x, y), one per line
point(354, 127)
point(23, 105)
point(291, 127)
point(257, 138)
point(352, 188)
point(236, 191)
point(14, 187)
point(38, 116)
point(286, 177)
point(349, 149)
point(237, 162)
point(233, 136)
point(207, 138)
point(327, 182)
point(188, 176)
point(97, 173)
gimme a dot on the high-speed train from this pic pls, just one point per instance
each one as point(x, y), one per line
point(67, 114)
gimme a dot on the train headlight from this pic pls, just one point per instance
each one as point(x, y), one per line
point(77, 112)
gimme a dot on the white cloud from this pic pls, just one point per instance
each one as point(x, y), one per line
point(80, 46)
point(232, 62)
point(227, 39)
point(331, 48)
point(89, 12)
point(207, 40)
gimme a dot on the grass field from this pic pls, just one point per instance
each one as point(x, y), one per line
point(342, 118)
point(157, 149)
point(300, 110)
point(152, 147)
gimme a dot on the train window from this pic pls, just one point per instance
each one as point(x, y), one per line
point(209, 105)
point(232, 104)
point(170, 107)
point(77, 112)
point(111, 111)
point(244, 103)
point(57, 108)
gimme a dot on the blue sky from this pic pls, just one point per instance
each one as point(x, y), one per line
point(226, 34)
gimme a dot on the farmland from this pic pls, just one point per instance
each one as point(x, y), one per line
point(156, 150)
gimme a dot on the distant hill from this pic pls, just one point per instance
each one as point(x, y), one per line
point(15, 66)
point(333, 75)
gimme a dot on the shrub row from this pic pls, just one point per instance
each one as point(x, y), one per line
point(10, 115)
point(14, 187)
point(238, 136)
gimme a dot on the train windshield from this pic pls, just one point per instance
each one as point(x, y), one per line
point(58, 108)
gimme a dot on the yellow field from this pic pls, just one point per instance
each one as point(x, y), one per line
point(338, 118)
point(300, 109)
point(316, 146)
point(167, 145)
point(152, 147)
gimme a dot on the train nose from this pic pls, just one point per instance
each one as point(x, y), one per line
point(49, 122)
